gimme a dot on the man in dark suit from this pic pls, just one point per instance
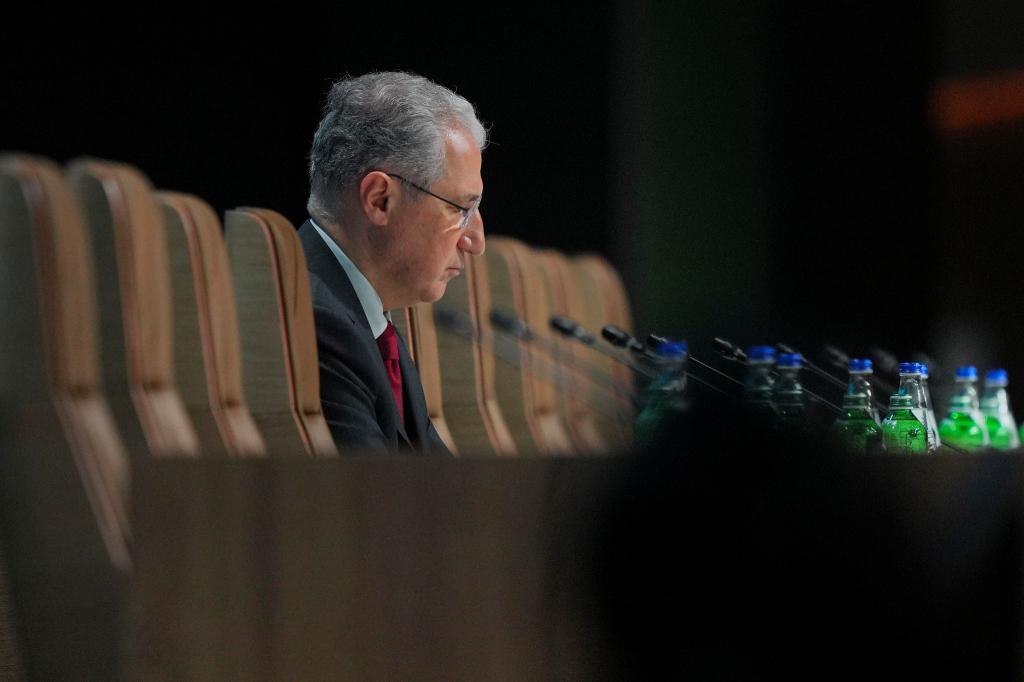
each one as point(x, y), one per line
point(394, 204)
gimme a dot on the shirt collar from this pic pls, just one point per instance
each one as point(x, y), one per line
point(367, 295)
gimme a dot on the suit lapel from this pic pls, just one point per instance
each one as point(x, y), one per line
point(322, 263)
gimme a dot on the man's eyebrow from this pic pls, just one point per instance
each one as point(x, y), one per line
point(470, 198)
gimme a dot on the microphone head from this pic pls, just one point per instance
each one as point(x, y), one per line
point(508, 322)
point(654, 341)
point(455, 321)
point(786, 350)
point(615, 336)
point(563, 325)
point(728, 349)
point(836, 356)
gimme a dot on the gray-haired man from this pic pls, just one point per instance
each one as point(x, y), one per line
point(394, 205)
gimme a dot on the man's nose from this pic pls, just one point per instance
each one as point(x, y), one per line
point(472, 242)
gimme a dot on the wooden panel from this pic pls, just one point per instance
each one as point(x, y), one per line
point(363, 568)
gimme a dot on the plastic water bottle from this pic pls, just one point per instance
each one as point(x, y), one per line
point(666, 394)
point(964, 425)
point(929, 407)
point(995, 406)
point(787, 394)
point(858, 429)
point(757, 390)
point(912, 386)
point(904, 430)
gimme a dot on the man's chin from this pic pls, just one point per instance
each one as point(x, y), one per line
point(435, 293)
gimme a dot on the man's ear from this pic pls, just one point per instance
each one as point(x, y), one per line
point(377, 197)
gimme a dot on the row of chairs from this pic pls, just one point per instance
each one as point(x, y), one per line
point(136, 324)
point(495, 393)
point(151, 329)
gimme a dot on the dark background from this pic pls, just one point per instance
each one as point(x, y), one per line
point(758, 170)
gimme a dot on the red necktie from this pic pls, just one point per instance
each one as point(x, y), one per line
point(388, 345)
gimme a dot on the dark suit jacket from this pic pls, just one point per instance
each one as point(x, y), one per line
point(354, 389)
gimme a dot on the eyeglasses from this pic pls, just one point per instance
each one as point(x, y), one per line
point(467, 211)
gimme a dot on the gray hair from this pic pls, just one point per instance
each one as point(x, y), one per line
point(390, 121)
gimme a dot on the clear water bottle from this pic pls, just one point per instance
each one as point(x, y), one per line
point(929, 407)
point(964, 425)
point(759, 384)
point(995, 406)
point(666, 394)
point(858, 429)
point(911, 386)
point(788, 394)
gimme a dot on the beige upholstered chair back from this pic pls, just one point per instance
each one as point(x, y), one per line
point(510, 384)
point(277, 333)
point(610, 305)
point(206, 324)
point(542, 374)
point(421, 338)
point(63, 468)
point(53, 353)
point(580, 408)
point(467, 373)
point(128, 234)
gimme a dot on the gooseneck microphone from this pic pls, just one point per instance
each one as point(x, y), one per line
point(574, 330)
point(839, 359)
point(460, 324)
point(730, 351)
point(622, 339)
point(827, 376)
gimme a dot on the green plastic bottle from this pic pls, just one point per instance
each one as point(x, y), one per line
point(757, 389)
point(788, 394)
point(857, 429)
point(665, 397)
point(911, 385)
point(903, 432)
point(995, 405)
point(964, 425)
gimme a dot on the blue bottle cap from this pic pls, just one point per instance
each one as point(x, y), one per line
point(672, 349)
point(969, 372)
point(790, 360)
point(922, 369)
point(997, 377)
point(909, 367)
point(860, 365)
point(761, 353)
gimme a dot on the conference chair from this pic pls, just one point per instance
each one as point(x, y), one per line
point(275, 314)
point(134, 288)
point(592, 314)
point(540, 367)
point(63, 467)
point(416, 324)
point(588, 396)
point(206, 324)
point(510, 385)
point(609, 305)
point(467, 371)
